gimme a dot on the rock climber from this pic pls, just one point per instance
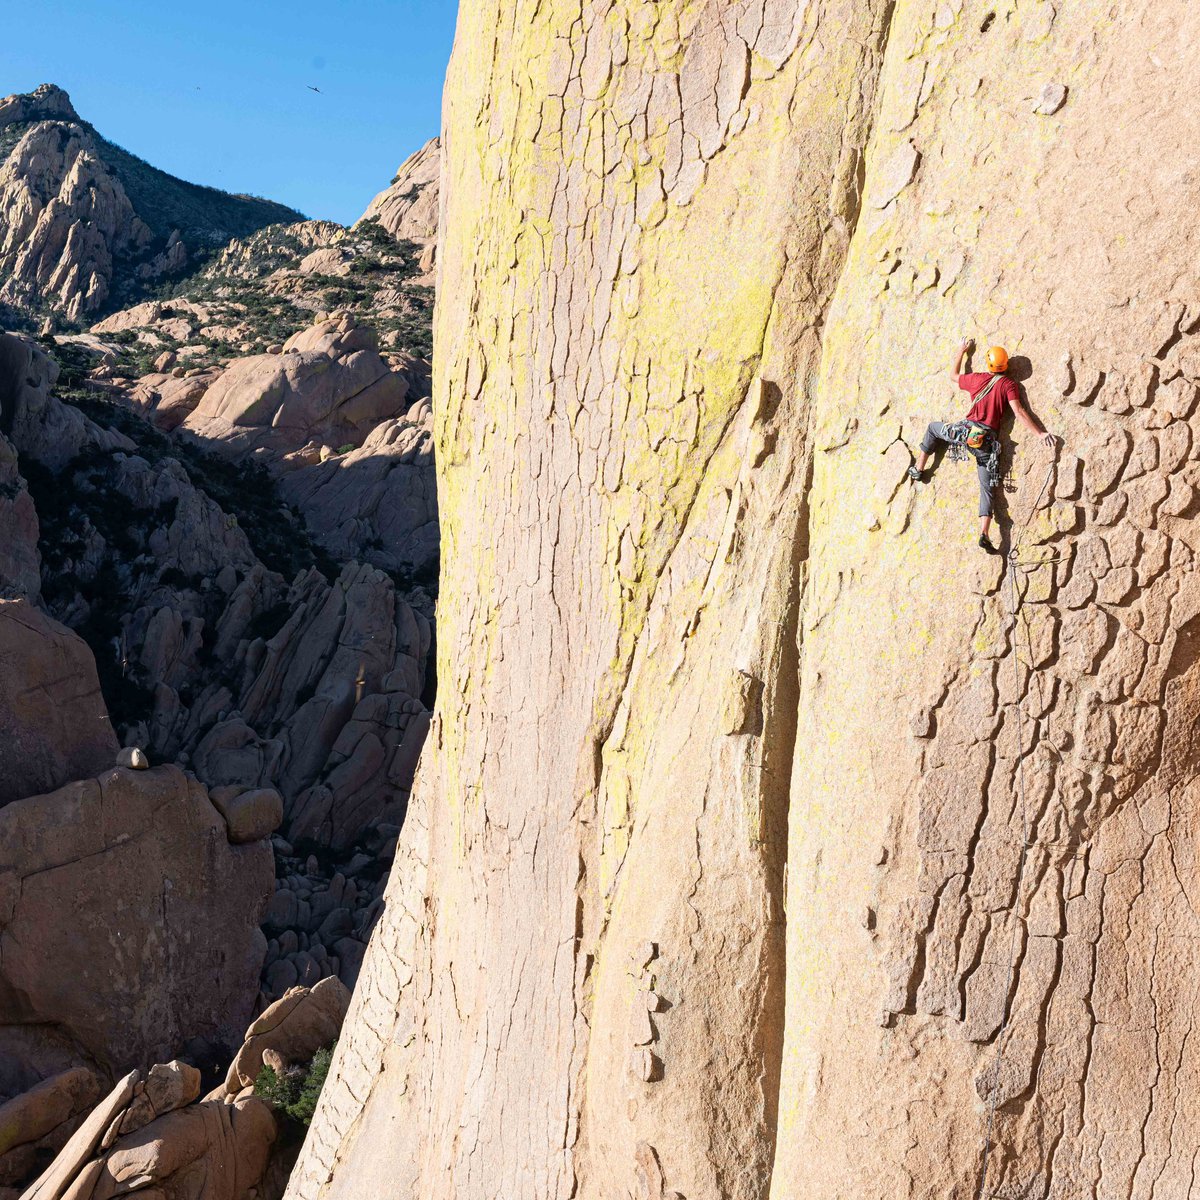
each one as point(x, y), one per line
point(991, 392)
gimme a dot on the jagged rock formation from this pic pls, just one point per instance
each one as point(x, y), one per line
point(45, 103)
point(262, 290)
point(408, 207)
point(377, 501)
point(286, 682)
point(36, 423)
point(148, 1137)
point(310, 687)
point(305, 347)
point(334, 421)
point(80, 217)
point(298, 702)
point(750, 811)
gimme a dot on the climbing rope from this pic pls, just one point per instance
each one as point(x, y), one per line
point(1014, 561)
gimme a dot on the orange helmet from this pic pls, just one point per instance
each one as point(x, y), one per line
point(997, 360)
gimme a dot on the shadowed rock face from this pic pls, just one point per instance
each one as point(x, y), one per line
point(20, 564)
point(53, 723)
point(296, 701)
point(313, 688)
point(713, 884)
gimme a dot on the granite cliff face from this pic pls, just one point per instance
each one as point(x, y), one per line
point(771, 841)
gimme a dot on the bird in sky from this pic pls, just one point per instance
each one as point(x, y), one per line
point(313, 89)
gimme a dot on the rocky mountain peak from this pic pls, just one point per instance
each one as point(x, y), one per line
point(47, 102)
point(408, 207)
point(85, 225)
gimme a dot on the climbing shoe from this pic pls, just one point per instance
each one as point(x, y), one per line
point(984, 544)
point(915, 475)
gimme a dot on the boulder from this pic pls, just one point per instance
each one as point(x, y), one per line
point(172, 1085)
point(296, 1026)
point(211, 1150)
point(73, 1160)
point(148, 1136)
point(224, 1145)
point(48, 431)
point(329, 260)
point(185, 959)
point(28, 1118)
point(328, 384)
point(148, 1133)
point(167, 397)
point(251, 814)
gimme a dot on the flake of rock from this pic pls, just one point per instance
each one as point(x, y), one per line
point(651, 1000)
point(642, 1064)
point(1052, 97)
point(645, 954)
point(896, 174)
point(641, 1029)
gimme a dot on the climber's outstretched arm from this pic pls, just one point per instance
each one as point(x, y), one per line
point(963, 351)
point(1031, 422)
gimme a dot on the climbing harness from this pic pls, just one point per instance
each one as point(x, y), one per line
point(981, 443)
point(1014, 561)
point(978, 440)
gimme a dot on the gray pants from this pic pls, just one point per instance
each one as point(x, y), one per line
point(937, 433)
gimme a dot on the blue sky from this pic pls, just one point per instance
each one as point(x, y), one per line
point(214, 91)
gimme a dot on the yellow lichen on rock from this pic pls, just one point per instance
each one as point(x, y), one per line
point(729, 709)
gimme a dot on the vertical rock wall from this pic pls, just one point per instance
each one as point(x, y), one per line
point(715, 884)
point(1060, 230)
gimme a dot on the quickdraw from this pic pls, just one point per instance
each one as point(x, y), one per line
point(970, 438)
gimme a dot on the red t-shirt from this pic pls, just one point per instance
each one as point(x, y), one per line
point(990, 410)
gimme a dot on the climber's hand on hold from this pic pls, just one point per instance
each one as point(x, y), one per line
point(968, 344)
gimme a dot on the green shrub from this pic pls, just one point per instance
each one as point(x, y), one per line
point(295, 1093)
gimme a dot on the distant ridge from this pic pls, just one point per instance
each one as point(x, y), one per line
point(86, 226)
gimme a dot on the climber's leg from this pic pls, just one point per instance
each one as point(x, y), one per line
point(985, 506)
point(937, 432)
